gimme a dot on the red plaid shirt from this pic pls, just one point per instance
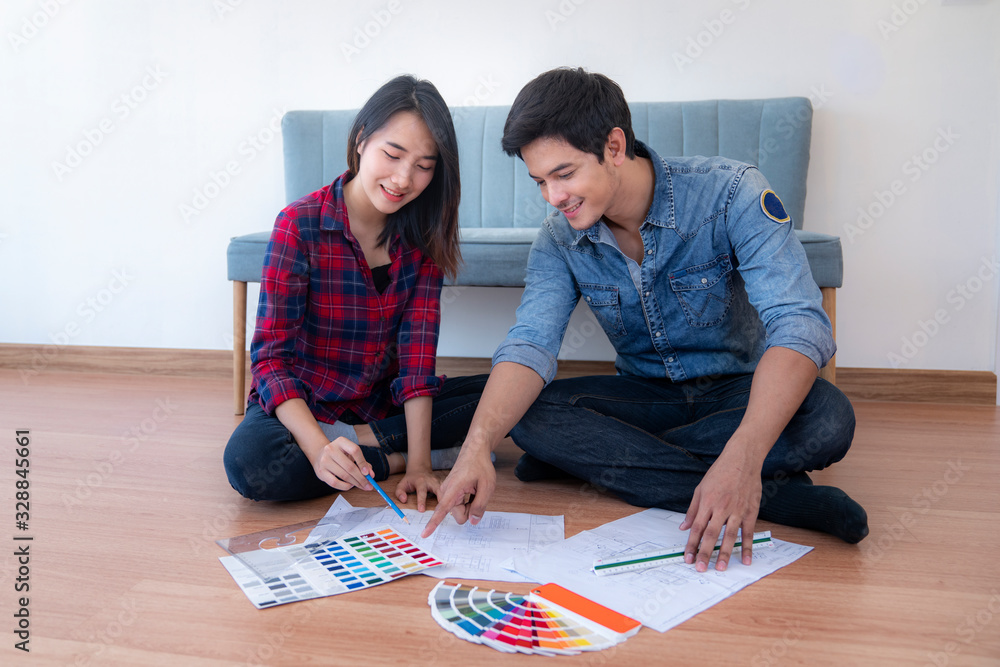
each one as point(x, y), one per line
point(325, 334)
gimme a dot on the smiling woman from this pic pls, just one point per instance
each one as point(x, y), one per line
point(412, 112)
point(397, 163)
point(347, 323)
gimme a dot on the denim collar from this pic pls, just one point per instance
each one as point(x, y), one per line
point(661, 211)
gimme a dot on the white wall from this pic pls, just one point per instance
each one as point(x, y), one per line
point(158, 97)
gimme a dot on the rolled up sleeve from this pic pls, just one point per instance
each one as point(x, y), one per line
point(776, 272)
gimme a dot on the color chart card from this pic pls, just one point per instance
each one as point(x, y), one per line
point(326, 567)
point(549, 621)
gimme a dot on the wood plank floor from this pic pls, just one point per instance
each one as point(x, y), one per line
point(128, 496)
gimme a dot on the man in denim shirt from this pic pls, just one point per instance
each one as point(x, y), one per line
point(693, 270)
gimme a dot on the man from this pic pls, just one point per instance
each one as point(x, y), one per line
point(693, 270)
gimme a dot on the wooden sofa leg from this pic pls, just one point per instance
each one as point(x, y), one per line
point(829, 372)
point(239, 345)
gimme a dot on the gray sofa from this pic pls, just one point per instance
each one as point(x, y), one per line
point(502, 208)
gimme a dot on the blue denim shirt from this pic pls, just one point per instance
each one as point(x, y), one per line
point(720, 281)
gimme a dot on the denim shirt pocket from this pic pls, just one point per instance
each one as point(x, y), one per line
point(604, 303)
point(705, 291)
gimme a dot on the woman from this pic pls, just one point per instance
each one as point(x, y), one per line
point(348, 317)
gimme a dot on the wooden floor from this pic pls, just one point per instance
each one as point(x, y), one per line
point(128, 496)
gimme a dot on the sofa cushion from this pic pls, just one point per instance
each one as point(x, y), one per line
point(497, 257)
point(494, 257)
point(245, 256)
point(826, 257)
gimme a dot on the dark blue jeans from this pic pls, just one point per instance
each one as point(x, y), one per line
point(652, 441)
point(263, 461)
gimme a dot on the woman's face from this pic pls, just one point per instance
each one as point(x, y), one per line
point(396, 162)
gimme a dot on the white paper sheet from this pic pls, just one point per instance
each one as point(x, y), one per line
point(661, 597)
point(469, 552)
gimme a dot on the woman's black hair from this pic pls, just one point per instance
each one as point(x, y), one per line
point(569, 103)
point(430, 222)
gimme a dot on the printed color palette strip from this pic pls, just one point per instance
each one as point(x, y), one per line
point(330, 567)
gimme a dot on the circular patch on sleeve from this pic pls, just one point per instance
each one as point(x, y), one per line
point(772, 206)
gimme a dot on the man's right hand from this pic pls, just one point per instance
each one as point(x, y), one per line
point(466, 490)
point(508, 394)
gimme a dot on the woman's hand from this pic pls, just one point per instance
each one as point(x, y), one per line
point(342, 465)
point(420, 481)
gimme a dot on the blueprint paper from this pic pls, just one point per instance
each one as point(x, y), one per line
point(660, 597)
point(468, 552)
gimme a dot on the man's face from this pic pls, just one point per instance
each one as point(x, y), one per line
point(570, 179)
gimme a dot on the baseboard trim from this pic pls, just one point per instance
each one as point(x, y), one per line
point(867, 384)
point(905, 385)
point(32, 359)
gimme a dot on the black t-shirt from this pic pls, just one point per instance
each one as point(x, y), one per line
point(380, 276)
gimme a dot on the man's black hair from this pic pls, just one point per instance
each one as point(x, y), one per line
point(572, 104)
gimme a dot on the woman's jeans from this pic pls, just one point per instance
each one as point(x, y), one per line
point(651, 441)
point(264, 462)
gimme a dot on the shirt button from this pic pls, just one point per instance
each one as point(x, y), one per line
point(649, 252)
point(647, 294)
point(587, 298)
point(704, 281)
point(670, 359)
point(658, 333)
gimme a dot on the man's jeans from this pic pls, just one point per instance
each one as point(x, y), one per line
point(652, 441)
point(264, 462)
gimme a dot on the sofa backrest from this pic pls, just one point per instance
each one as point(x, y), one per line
point(773, 134)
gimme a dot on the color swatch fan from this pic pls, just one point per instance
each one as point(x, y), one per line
point(549, 621)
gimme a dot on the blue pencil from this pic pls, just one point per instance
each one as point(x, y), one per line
point(387, 499)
